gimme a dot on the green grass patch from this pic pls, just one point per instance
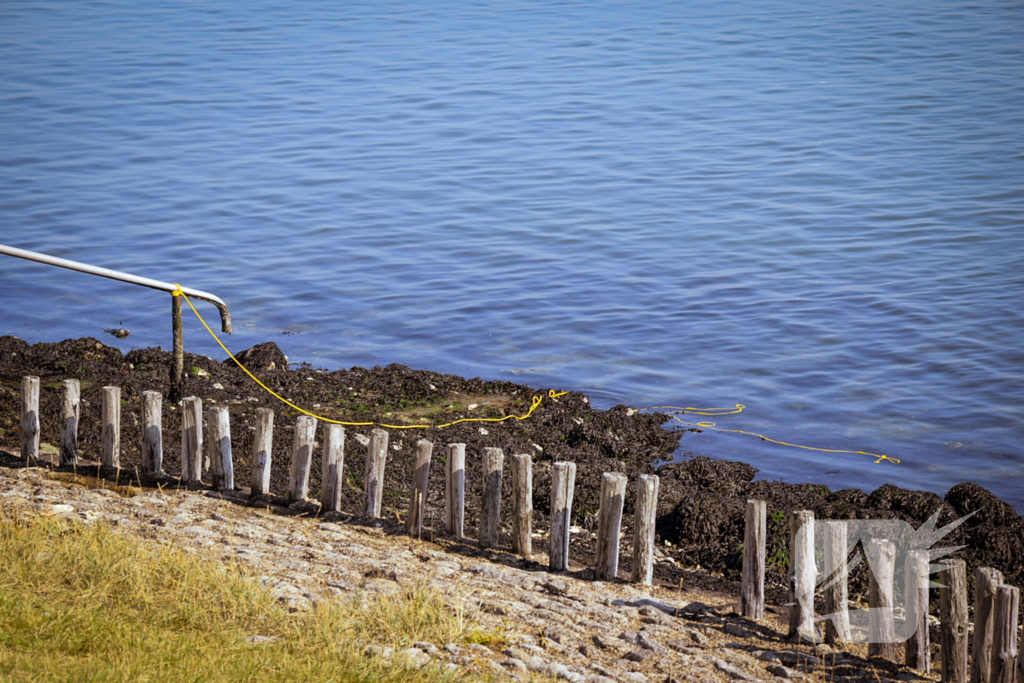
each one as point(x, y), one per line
point(86, 603)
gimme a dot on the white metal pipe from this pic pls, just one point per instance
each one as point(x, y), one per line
point(225, 316)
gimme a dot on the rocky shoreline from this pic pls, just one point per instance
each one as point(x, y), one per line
point(700, 510)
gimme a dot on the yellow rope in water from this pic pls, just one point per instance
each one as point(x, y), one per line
point(534, 405)
point(675, 412)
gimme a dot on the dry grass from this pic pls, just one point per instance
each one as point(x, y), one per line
point(85, 603)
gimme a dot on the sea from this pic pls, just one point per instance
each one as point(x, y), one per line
point(812, 209)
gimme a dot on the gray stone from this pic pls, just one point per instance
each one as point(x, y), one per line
point(535, 664)
point(415, 657)
point(648, 643)
point(732, 671)
point(515, 664)
point(479, 649)
point(598, 678)
point(588, 651)
point(429, 648)
point(605, 643)
point(767, 656)
point(738, 631)
point(635, 677)
point(780, 671)
point(631, 637)
point(638, 655)
point(378, 651)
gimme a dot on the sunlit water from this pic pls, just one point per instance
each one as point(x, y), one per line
point(812, 209)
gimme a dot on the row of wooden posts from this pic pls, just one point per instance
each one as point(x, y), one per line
point(218, 452)
point(995, 647)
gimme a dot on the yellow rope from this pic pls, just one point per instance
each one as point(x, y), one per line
point(534, 405)
point(675, 412)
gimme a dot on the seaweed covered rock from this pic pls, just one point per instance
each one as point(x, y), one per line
point(967, 498)
point(265, 356)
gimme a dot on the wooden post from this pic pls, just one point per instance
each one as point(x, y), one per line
point(881, 626)
point(262, 447)
point(177, 354)
point(191, 439)
point(986, 580)
point(218, 447)
point(30, 418)
point(376, 459)
point(1004, 641)
point(754, 533)
point(563, 480)
point(302, 457)
point(455, 488)
point(802, 574)
point(70, 412)
point(333, 467)
point(917, 581)
point(418, 499)
point(111, 427)
point(609, 524)
point(837, 624)
point(953, 621)
point(152, 432)
point(522, 505)
point(490, 507)
point(647, 486)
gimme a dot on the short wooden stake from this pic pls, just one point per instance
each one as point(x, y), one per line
point(70, 410)
point(302, 457)
point(881, 626)
point(152, 432)
point(420, 478)
point(563, 480)
point(490, 507)
point(754, 534)
point(333, 467)
point(191, 439)
point(986, 580)
point(111, 454)
point(953, 620)
point(647, 486)
point(262, 447)
point(455, 489)
point(802, 574)
point(218, 446)
point(609, 524)
point(917, 580)
point(837, 623)
point(376, 460)
point(1004, 641)
point(522, 505)
point(30, 430)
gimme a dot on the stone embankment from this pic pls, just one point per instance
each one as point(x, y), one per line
point(563, 625)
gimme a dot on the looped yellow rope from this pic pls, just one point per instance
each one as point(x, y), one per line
point(675, 412)
point(537, 400)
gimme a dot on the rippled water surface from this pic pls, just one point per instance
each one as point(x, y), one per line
point(811, 208)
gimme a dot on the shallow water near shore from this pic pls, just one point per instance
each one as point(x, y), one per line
point(812, 210)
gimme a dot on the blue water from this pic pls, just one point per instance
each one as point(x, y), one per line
point(815, 209)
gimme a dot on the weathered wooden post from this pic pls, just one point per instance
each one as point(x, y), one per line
point(177, 353)
point(1004, 641)
point(152, 432)
point(376, 460)
point(986, 580)
point(802, 574)
point(219, 448)
point(333, 467)
point(522, 505)
point(563, 480)
point(837, 624)
point(953, 621)
point(455, 488)
point(70, 410)
point(490, 508)
point(917, 580)
point(752, 591)
point(420, 478)
point(647, 486)
point(111, 427)
point(30, 431)
point(191, 439)
point(262, 446)
point(881, 626)
point(609, 524)
point(302, 457)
